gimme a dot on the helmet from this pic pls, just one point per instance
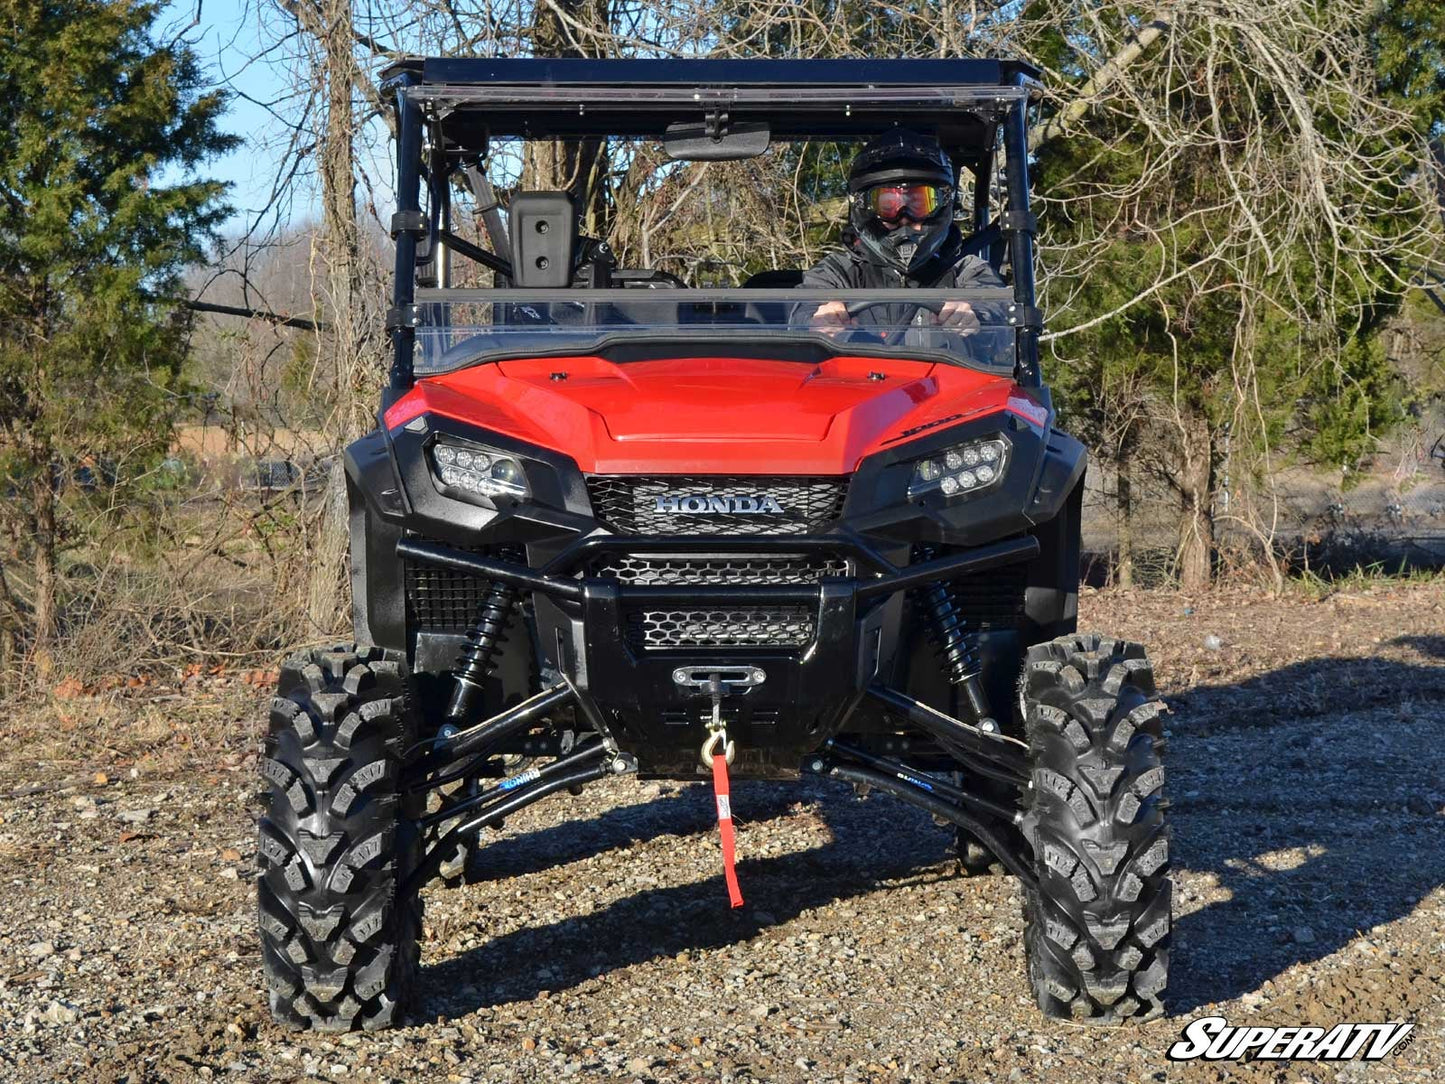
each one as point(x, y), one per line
point(900, 176)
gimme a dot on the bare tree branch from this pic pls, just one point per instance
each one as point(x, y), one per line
point(280, 319)
point(1101, 80)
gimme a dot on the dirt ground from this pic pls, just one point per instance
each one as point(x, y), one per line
point(1307, 773)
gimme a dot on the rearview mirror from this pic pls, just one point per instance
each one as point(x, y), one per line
point(689, 141)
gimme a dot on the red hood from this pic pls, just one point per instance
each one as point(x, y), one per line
point(708, 415)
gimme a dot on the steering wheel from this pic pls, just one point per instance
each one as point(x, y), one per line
point(856, 307)
point(895, 337)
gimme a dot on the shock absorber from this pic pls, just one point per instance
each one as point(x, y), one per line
point(475, 663)
point(957, 649)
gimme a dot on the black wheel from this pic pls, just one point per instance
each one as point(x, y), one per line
point(1097, 928)
point(892, 338)
point(462, 864)
point(976, 860)
point(339, 942)
point(973, 858)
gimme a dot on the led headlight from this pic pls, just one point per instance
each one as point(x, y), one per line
point(963, 469)
point(471, 469)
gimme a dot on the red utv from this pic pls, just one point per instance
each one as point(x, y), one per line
point(612, 522)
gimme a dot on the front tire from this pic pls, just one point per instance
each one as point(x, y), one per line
point(339, 941)
point(1098, 926)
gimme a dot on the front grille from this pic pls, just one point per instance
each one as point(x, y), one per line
point(775, 626)
point(444, 600)
point(771, 626)
point(647, 570)
point(629, 505)
point(990, 600)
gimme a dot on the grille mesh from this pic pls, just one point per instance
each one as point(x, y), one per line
point(770, 626)
point(993, 599)
point(777, 626)
point(629, 504)
point(444, 600)
point(668, 571)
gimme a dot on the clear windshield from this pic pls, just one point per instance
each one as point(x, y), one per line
point(962, 327)
point(702, 257)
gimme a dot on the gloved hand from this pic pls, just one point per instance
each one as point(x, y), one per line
point(831, 318)
point(959, 316)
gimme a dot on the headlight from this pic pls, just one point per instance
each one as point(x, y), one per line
point(962, 469)
point(474, 470)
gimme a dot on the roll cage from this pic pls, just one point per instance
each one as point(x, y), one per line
point(448, 111)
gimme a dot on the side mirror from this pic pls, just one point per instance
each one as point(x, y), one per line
point(701, 141)
point(544, 239)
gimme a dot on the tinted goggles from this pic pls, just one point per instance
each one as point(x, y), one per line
point(916, 201)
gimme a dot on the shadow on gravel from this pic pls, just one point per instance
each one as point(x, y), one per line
point(682, 814)
point(877, 839)
point(1314, 793)
point(1425, 645)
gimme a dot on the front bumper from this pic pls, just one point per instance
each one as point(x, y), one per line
point(808, 693)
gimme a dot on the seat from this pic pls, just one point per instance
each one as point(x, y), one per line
point(544, 239)
point(785, 278)
point(773, 312)
point(989, 245)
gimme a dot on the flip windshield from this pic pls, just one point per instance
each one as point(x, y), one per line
point(930, 324)
point(676, 248)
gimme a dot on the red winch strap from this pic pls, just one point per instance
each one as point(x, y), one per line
point(725, 826)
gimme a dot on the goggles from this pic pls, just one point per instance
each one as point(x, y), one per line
point(895, 201)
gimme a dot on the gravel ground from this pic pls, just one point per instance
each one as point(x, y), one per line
point(1307, 763)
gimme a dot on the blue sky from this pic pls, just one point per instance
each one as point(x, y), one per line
point(226, 35)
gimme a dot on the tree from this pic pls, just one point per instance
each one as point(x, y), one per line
point(100, 213)
point(1228, 228)
point(1409, 46)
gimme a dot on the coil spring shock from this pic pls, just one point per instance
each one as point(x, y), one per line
point(475, 663)
point(956, 646)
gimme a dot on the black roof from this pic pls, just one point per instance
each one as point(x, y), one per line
point(853, 72)
point(539, 98)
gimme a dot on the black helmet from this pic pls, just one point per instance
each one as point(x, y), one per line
point(913, 170)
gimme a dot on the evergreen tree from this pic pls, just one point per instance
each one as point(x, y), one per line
point(104, 127)
point(1409, 47)
point(1231, 248)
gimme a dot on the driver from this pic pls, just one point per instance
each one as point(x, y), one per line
point(900, 233)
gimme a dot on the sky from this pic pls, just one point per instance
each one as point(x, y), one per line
point(226, 34)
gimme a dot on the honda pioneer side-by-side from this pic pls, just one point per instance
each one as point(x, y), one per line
point(767, 526)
